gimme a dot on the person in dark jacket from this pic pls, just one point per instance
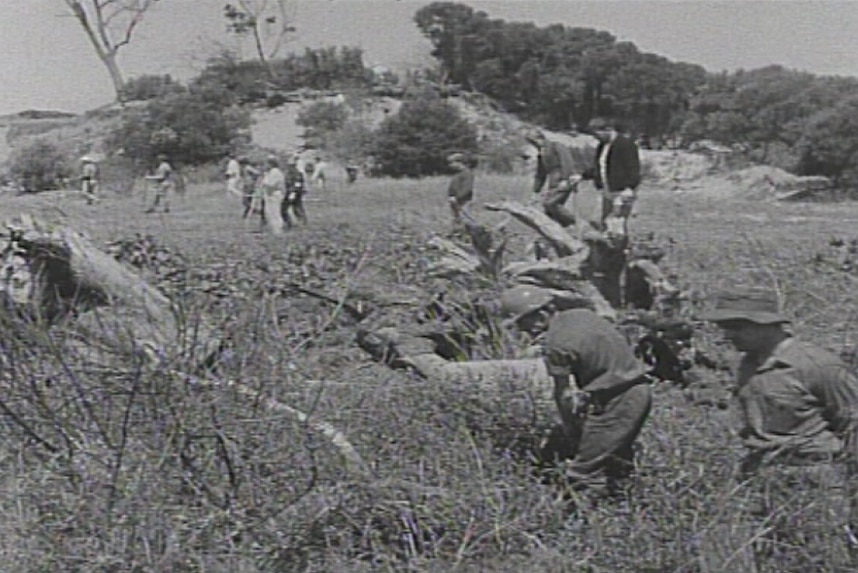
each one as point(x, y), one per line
point(295, 189)
point(616, 171)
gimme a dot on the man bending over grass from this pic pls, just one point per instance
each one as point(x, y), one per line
point(600, 387)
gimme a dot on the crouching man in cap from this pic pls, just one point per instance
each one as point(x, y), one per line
point(799, 408)
point(600, 387)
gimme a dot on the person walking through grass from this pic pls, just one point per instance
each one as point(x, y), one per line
point(799, 427)
point(89, 179)
point(296, 187)
point(164, 184)
point(601, 389)
point(273, 189)
point(560, 170)
point(616, 171)
point(233, 176)
point(460, 191)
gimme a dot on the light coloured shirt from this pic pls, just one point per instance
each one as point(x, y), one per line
point(274, 181)
point(233, 169)
point(799, 400)
point(603, 163)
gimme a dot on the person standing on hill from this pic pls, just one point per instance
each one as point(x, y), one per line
point(601, 389)
point(555, 165)
point(164, 184)
point(294, 198)
point(89, 179)
point(460, 191)
point(616, 171)
point(799, 409)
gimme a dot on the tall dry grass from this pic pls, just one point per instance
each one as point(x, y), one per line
point(134, 467)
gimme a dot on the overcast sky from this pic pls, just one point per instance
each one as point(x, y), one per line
point(47, 63)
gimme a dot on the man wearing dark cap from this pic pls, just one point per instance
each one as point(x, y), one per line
point(616, 171)
point(600, 387)
point(799, 408)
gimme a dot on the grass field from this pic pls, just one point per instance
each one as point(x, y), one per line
point(207, 481)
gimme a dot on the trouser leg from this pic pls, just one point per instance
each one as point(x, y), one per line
point(554, 206)
point(300, 213)
point(605, 452)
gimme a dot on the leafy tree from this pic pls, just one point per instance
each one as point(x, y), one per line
point(829, 145)
point(193, 126)
point(39, 166)
point(416, 141)
point(148, 86)
point(101, 20)
point(268, 22)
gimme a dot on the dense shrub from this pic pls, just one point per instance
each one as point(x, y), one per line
point(192, 127)
point(416, 141)
point(323, 116)
point(39, 166)
point(149, 86)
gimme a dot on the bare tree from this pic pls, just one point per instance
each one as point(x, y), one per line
point(268, 22)
point(109, 25)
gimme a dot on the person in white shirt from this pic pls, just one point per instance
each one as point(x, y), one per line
point(233, 176)
point(163, 179)
point(273, 187)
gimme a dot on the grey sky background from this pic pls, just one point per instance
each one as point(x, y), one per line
point(46, 61)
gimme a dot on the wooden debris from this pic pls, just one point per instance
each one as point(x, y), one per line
point(557, 236)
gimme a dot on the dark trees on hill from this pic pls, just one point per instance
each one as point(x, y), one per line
point(416, 141)
point(558, 76)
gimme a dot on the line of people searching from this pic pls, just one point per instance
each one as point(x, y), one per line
point(273, 194)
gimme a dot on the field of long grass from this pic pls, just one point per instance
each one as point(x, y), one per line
point(150, 473)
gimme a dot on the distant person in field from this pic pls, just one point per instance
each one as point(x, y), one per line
point(600, 388)
point(320, 175)
point(164, 184)
point(89, 179)
point(352, 170)
point(559, 170)
point(251, 199)
point(460, 191)
point(233, 176)
point(616, 171)
point(799, 416)
point(293, 201)
point(273, 187)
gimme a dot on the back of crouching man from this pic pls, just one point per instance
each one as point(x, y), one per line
point(601, 389)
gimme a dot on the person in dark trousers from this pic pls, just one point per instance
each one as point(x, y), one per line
point(558, 168)
point(799, 427)
point(600, 388)
point(251, 198)
point(616, 171)
point(460, 191)
point(295, 189)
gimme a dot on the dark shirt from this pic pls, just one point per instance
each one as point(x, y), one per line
point(623, 165)
point(461, 186)
point(582, 344)
point(799, 400)
point(294, 180)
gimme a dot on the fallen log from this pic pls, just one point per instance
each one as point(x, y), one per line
point(560, 240)
point(105, 308)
